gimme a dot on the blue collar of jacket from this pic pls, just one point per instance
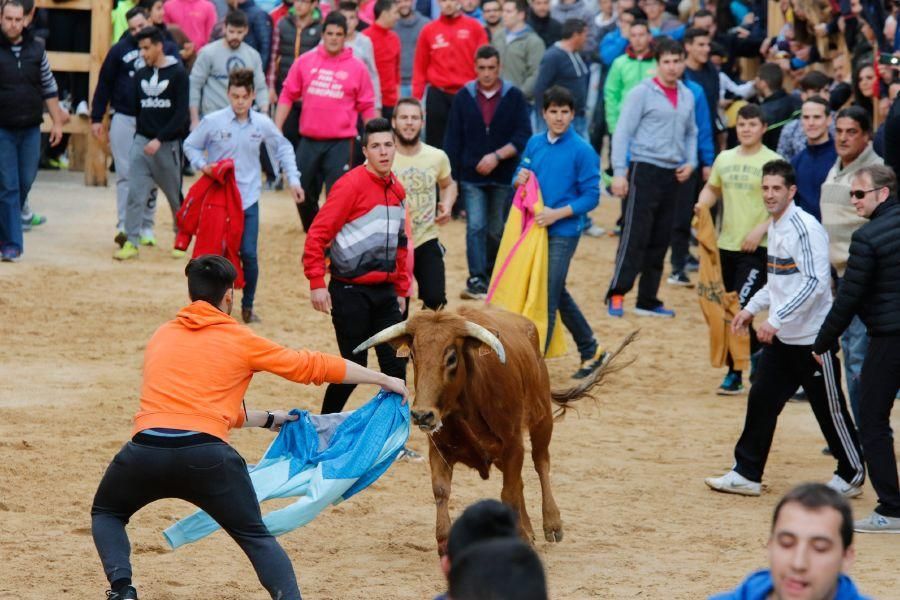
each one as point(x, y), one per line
point(472, 87)
point(758, 586)
point(565, 137)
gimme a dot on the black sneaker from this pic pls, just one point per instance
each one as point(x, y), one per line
point(127, 593)
point(691, 265)
point(679, 278)
point(591, 365)
point(476, 289)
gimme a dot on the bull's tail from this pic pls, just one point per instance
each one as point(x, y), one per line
point(564, 397)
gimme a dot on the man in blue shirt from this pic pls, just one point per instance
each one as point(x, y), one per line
point(236, 132)
point(568, 171)
point(810, 544)
point(816, 159)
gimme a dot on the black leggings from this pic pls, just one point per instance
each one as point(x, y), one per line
point(359, 312)
point(428, 267)
point(210, 475)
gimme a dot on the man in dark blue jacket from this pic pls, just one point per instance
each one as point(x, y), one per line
point(487, 129)
point(115, 88)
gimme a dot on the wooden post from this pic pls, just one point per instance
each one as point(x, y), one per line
point(85, 151)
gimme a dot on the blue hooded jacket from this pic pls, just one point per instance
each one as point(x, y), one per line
point(759, 585)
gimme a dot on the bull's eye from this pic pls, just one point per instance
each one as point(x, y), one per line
point(450, 362)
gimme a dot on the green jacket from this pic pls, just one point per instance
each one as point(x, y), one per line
point(520, 58)
point(119, 23)
point(624, 73)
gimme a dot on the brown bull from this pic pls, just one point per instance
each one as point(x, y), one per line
point(480, 379)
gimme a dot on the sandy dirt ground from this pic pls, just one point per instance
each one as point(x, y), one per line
point(627, 471)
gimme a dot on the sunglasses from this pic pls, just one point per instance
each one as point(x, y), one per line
point(860, 194)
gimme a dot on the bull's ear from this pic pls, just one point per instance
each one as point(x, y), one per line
point(478, 348)
point(402, 345)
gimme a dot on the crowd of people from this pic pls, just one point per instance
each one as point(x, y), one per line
point(385, 119)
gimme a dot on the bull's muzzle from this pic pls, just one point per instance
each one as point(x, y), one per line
point(425, 419)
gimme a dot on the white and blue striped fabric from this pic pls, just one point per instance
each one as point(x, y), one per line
point(322, 459)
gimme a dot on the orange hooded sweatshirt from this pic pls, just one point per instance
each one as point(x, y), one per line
point(198, 366)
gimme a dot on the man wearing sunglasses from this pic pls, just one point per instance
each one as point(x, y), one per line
point(870, 290)
point(852, 141)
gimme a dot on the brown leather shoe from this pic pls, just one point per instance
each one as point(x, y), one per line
point(249, 315)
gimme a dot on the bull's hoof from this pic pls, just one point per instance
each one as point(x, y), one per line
point(554, 535)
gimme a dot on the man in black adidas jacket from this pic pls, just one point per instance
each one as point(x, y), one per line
point(161, 111)
point(871, 289)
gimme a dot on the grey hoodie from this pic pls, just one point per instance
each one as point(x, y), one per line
point(653, 131)
point(408, 29)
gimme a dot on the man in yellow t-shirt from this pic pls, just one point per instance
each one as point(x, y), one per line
point(735, 177)
point(421, 169)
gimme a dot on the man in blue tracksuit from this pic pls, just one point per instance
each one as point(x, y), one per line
point(810, 544)
point(689, 190)
point(115, 87)
point(658, 130)
point(568, 171)
point(487, 129)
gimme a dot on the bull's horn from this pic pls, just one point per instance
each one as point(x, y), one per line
point(385, 335)
point(480, 333)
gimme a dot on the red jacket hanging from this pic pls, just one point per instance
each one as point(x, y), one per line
point(212, 211)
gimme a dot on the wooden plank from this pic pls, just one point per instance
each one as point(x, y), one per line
point(774, 18)
point(66, 4)
point(76, 150)
point(70, 62)
point(76, 125)
point(95, 172)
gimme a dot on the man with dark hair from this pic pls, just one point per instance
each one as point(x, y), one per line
point(115, 88)
point(259, 28)
point(27, 84)
point(330, 112)
point(539, 18)
point(793, 140)
point(487, 128)
point(363, 49)
point(236, 132)
point(654, 150)
point(499, 569)
point(637, 64)
point(423, 169)
point(742, 244)
point(179, 447)
point(215, 61)
point(386, 45)
point(444, 64)
point(869, 291)
point(563, 66)
point(520, 48)
point(161, 111)
point(568, 173)
point(777, 105)
point(852, 142)
point(810, 546)
point(408, 28)
point(491, 14)
point(814, 161)
point(480, 522)
point(797, 296)
point(298, 32)
point(361, 226)
point(699, 69)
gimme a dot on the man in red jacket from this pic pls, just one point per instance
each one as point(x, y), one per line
point(362, 226)
point(386, 44)
point(445, 62)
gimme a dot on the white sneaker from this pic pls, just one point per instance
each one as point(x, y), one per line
point(733, 482)
point(595, 231)
point(876, 523)
point(843, 488)
point(82, 109)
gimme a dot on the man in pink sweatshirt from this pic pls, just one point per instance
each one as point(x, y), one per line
point(196, 19)
point(335, 89)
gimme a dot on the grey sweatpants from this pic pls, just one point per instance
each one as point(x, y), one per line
point(163, 169)
point(121, 136)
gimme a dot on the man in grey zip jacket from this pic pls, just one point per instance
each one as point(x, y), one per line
point(658, 129)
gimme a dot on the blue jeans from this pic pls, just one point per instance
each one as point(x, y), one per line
point(486, 208)
point(249, 262)
point(854, 343)
point(405, 90)
point(20, 150)
point(562, 249)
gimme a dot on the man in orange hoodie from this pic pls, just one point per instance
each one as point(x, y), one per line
point(197, 368)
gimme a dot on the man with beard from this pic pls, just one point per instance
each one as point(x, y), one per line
point(209, 77)
point(420, 167)
point(491, 13)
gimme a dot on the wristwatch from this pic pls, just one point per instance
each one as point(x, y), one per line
point(269, 420)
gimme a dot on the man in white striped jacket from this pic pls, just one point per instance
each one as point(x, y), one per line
point(798, 297)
